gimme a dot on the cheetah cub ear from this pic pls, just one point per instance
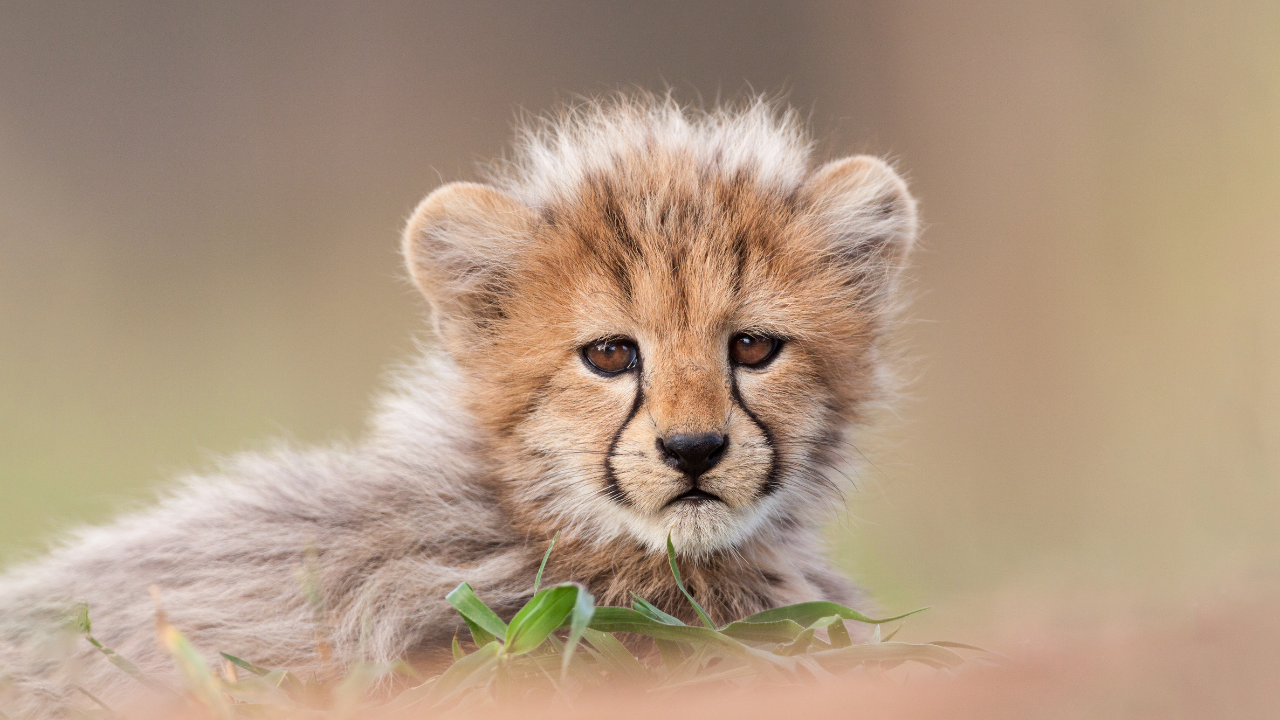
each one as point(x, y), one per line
point(870, 218)
point(459, 248)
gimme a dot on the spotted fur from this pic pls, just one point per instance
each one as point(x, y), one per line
point(630, 218)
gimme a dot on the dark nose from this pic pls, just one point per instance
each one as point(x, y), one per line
point(693, 454)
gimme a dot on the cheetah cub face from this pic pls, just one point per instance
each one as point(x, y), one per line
point(659, 339)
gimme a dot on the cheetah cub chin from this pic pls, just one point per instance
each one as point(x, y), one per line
point(649, 321)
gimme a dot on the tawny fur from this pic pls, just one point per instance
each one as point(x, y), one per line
point(629, 218)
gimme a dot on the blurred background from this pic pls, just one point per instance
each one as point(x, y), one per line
point(199, 208)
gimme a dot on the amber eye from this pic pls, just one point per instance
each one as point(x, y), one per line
point(752, 350)
point(611, 356)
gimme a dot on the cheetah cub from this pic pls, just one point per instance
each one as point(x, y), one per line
point(648, 321)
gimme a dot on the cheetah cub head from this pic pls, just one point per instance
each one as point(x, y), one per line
point(668, 319)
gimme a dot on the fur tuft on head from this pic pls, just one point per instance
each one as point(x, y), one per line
point(555, 154)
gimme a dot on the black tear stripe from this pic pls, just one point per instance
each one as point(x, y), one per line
point(771, 481)
point(611, 487)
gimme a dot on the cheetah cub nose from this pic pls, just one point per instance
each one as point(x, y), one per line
point(693, 454)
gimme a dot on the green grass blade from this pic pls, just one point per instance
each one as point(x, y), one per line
point(537, 579)
point(622, 664)
point(837, 633)
point(778, 631)
point(692, 665)
point(584, 607)
point(540, 617)
point(823, 676)
point(671, 652)
point(796, 647)
point(200, 680)
point(351, 692)
point(96, 701)
point(625, 618)
point(962, 646)
point(476, 668)
point(609, 614)
point(620, 619)
point(554, 645)
point(995, 656)
point(808, 612)
point(286, 682)
point(854, 655)
point(644, 606)
point(616, 619)
point(516, 672)
point(479, 635)
point(659, 631)
point(806, 642)
point(412, 696)
point(732, 674)
point(456, 649)
point(128, 667)
point(261, 691)
point(485, 625)
point(675, 570)
point(245, 665)
point(79, 621)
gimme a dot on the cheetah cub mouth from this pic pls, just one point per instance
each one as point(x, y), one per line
point(694, 496)
point(666, 330)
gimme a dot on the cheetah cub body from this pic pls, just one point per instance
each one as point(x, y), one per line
point(650, 320)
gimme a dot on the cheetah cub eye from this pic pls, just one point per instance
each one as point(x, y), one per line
point(752, 350)
point(611, 357)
